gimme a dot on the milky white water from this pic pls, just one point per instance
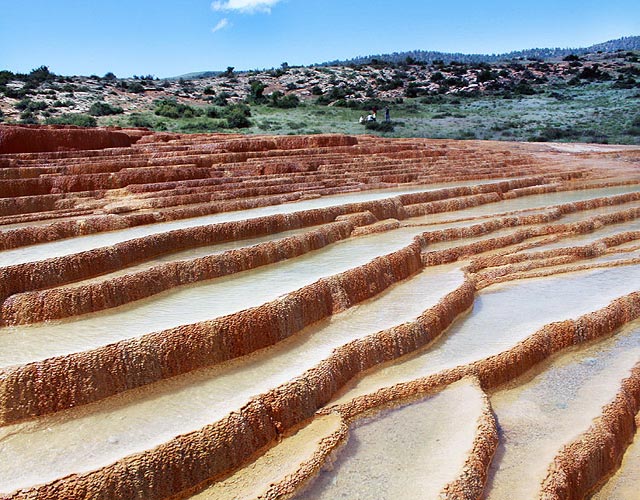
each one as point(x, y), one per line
point(536, 201)
point(503, 315)
point(410, 452)
point(538, 417)
point(199, 302)
point(82, 243)
point(96, 435)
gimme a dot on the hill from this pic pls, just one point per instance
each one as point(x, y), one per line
point(629, 43)
point(590, 97)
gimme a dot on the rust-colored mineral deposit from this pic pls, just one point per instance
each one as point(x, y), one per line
point(212, 315)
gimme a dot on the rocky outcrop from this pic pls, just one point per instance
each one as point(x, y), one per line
point(35, 139)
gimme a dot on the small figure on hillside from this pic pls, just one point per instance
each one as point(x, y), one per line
point(374, 112)
point(387, 115)
point(371, 118)
point(361, 120)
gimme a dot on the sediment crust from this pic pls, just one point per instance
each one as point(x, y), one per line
point(473, 477)
point(581, 227)
point(58, 271)
point(57, 303)
point(583, 465)
point(508, 365)
point(31, 139)
point(288, 485)
point(434, 203)
point(191, 459)
point(61, 382)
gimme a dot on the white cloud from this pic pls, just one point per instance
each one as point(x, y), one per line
point(222, 24)
point(244, 6)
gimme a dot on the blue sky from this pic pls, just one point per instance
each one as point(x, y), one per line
point(169, 38)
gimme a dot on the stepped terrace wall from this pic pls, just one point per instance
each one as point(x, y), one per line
point(35, 139)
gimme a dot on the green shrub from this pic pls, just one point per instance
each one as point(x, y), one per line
point(29, 105)
point(212, 112)
point(135, 87)
point(13, 93)
point(594, 73)
point(554, 134)
point(379, 126)
point(40, 75)
point(278, 100)
point(200, 125)
point(256, 91)
point(221, 99)
point(23, 104)
point(170, 108)
point(236, 116)
point(79, 119)
point(104, 109)
point(208, 90)
point(6, 77)
point(62, 104)
point(335, 94)
point(140, 120)
point(27, 117)
point(465, 135)
point(523, 88)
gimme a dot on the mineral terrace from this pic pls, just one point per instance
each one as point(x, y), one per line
point(223, 316)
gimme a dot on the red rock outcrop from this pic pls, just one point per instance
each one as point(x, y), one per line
point(35, 139)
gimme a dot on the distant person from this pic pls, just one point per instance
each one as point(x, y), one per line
point(371, 118)
point(387, 115)
point(374, 112)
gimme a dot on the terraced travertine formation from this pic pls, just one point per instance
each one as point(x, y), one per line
point(217, 316)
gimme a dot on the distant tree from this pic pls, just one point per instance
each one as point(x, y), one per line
point(256, 91)
point(6, 77)
point(229, 73)
point(109, 76)
point(40, 75)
